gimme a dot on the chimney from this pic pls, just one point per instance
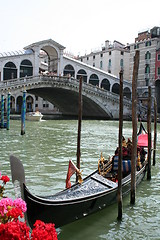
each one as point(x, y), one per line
point(106, 44)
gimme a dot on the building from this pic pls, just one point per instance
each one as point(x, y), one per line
point(111, 58)
point(148, 44)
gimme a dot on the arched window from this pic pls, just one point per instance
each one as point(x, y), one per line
point(9, 71)
point(115, 88)
point(148, 55)
point(127, 92)
point(69, 70)
point(147, 69)
point(94, 80)
point(26, 68)
point(82, 73)
point(105, 84)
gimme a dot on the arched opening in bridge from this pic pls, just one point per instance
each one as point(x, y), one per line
point(19, 104)
point(69, 71)
point(12, 105)
point(82, 73)
point(157, 91)
point(94, 80)
point(29, 103)
point(9, 71)
point(26, 68)
point(115, 88)
point(48, 60)
point(127, 92)
point(105, 84)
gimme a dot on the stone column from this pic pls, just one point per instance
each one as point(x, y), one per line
point(60, 63)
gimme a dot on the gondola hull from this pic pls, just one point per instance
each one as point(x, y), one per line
point(61, 210)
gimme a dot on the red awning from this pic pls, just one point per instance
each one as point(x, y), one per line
point(143, 140)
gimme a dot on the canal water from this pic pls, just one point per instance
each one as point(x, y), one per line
point(45, 151)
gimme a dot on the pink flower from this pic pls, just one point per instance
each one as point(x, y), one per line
point(19, 203)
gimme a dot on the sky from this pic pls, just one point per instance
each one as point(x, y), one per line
point(81, 26)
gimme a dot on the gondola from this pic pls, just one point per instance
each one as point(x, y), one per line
point(97, 191)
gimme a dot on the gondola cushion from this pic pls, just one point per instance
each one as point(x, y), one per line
point(126, 165)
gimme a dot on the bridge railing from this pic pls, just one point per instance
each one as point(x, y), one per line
point(25, 81)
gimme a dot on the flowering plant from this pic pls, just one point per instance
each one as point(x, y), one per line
point(10, 225)
point(5, 179)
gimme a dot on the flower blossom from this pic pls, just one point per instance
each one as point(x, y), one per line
point(5, 179)
point(19, 203)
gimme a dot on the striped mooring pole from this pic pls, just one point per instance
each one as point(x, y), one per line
point(8, 110)
point(23, 113)
point(2, 111)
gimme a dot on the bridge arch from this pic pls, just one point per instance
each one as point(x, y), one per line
point(50, 56)
point(69, 70)
point(12, 104)
point(82, 73)
point(26, 68)
point(94, 80)
point(9, 71)
point(127, 92)
point(105, 84)
point(115, 88)
point(18, 104)
point(29, 103)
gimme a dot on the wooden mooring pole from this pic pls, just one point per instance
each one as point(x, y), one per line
point(2, 110)
point(120, 148)
point(23, 113)
point(134, 126)
point(79, 126)
point(8, 110)
point(149, 133)
point(155, 132)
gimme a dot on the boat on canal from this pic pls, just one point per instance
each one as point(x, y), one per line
point(95, 192)
point(34, 116)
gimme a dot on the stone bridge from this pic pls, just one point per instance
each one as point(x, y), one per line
point(63, 92)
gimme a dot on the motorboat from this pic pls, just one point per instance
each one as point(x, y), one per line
point(34, 116)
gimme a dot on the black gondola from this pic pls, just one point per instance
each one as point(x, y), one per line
point(97, 191)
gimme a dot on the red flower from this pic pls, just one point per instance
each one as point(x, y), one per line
point(14, 213)
point(42, 231)
point(14, 230)
point(5, 179)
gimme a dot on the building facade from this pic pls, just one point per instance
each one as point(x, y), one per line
point(111, 58)
point(148, 44)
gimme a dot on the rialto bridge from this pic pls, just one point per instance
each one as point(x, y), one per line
point(44, 71)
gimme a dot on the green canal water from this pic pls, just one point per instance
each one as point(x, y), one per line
point(45, 150)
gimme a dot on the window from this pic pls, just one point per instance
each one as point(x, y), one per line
point(158, 57)
point(148, 55)
point(81, 59)
point(109, 63)
point(147, 81)
point(148, 43)
point(110, 53)
point(94, 57)
point(101, 64)
point(158, 73)
point(93, 64)
point(87, 58)
point(147, 69)
point(36, 105)
point(136, 46)
point(122, 53)
point(101, 54)
point(121, 63)
point(36, 98)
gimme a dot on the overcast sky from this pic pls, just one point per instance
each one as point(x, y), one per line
point(79, 25)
